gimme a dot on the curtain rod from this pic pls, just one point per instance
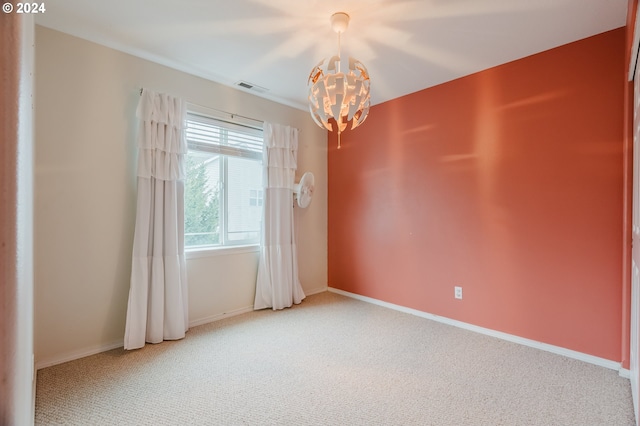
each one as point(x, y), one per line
point(232, 114)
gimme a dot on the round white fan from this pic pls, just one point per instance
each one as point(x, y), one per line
point(303, 190)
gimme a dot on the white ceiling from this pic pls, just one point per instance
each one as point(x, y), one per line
point(407, 45)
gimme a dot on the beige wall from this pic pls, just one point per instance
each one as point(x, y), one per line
point(85, 195)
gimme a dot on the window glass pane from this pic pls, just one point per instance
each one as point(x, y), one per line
point(245, 212)
point(202, 199)
point(224, 196)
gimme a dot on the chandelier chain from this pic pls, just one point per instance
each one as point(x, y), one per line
point(339, 51)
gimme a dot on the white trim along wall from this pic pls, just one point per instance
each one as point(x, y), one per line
point(500, 335)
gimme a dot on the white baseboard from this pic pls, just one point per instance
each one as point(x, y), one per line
point(602, 362)
point(229, 314)
point(315, 291)
point(218, 317)
point(623, 372)
point(73, 355)
point(240, 311)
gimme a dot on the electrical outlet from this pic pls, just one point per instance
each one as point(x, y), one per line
point(458, 292)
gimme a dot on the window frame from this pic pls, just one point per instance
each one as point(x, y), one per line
point(225, 151)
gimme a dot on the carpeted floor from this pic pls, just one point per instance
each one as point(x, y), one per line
point(331, 361)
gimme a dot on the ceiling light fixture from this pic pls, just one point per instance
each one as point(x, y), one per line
point(334, 94)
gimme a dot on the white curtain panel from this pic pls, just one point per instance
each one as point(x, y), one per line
point(277, 285)
point(158, 302)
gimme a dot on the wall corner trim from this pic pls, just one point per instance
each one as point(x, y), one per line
point(601, 362)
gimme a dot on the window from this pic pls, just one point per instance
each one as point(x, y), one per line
point(223, 171)
point(255, 197)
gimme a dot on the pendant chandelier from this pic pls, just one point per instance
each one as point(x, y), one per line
point(343, 97)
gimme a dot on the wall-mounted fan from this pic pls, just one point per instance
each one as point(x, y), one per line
point(303, 190)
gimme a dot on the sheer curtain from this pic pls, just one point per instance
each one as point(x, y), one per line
point(277, 285)
point(158, 304)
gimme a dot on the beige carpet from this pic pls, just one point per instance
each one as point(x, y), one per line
point(331, 361)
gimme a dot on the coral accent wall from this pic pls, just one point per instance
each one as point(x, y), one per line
point(508, 183)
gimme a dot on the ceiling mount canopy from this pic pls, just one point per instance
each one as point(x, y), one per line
point(340, 22)
point(333, 94)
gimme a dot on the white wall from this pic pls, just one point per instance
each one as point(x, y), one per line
point(16, 220)
point(86, 96)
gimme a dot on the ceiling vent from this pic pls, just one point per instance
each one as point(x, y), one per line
point(250, 86)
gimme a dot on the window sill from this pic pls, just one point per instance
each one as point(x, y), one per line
point(220, 251)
